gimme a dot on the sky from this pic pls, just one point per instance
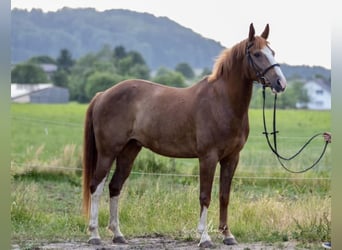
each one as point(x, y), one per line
point(300, 30)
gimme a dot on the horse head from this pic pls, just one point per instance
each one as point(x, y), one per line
point(261, 61)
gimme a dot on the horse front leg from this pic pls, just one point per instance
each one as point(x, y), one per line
point(207, 171)
point(228, 166)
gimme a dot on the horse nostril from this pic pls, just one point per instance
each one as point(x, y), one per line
point(280, 85)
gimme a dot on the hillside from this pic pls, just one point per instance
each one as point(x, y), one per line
point(161, 41)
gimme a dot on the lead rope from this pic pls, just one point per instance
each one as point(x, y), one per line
point(274, 148)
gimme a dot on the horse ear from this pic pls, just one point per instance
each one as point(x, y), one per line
point(251, 33)
point(266, 32)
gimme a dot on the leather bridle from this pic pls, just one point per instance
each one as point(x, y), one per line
point(260, 73)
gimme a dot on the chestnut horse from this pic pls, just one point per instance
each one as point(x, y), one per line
point(208, 121)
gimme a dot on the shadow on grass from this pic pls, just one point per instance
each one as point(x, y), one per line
point(37, 175)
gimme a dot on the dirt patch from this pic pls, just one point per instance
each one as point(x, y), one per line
point(154, 243)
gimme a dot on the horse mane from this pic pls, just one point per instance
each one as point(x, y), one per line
point(225, 62)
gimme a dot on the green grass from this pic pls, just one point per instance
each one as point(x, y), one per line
point(45, 132)
point(50, 210)
point(267, 203)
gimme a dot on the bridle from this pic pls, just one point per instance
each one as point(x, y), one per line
point(263, 80)
point(260, 73)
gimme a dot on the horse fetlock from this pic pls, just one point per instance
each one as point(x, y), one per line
point(115, 229)
point(224, 229)
point(110, 227)
point(93, 229)
point(95, 238)
point(205, 240)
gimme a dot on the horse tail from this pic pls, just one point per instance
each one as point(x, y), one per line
point(89, 156)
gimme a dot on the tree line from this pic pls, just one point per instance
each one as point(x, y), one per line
point(97, 71)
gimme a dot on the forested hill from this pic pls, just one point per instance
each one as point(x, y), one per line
point(161, 41)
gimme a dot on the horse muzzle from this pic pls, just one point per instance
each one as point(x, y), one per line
point(279, 85)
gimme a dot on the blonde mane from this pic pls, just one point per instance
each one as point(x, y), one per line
point(228, 57)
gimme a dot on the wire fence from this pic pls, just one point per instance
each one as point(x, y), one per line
point(51, 122)
point(49, 168)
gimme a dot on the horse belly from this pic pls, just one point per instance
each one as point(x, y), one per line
point(172, 149)
point(166, 139)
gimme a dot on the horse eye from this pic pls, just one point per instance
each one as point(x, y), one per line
point(257, 54)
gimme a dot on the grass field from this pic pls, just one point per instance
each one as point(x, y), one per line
point(267, 203)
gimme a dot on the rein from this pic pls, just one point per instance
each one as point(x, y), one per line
point(260, 73)
point(274, 147)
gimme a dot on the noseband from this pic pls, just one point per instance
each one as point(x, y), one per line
point(260, 74)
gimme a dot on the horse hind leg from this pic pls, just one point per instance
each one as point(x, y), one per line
point(96, 188)
point(124, 163)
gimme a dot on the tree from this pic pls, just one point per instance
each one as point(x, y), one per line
point(205, 72)
point(139, 71)
point(169, 77)
point(41, 60)
point(119, 52)
point(28, 73)
point(128, 67)
point(136, 57)
point(295, 93)
point(100, 81)
point(257, 100)
point(64, 64)
point(131, 65)
point(96, 71)
point(83, 68)
point(185, 70)
point(65, 61)
point(60, 78)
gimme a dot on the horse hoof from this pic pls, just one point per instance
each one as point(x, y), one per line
point(206, 244)
point(120, 240)
point(94, 241)
point(230, 241)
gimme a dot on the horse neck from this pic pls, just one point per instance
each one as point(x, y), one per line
point(238, 91)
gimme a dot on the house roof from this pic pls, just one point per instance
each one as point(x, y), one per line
point(19, 90)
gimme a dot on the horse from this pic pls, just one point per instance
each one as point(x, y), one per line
point(208, 121)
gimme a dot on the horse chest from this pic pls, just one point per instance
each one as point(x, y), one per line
point(225, 138)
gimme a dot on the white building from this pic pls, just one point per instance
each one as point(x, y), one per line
point(39, 93)
point(319, 96)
